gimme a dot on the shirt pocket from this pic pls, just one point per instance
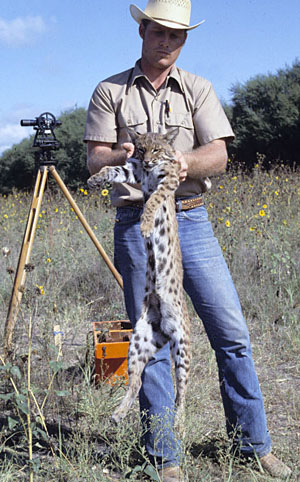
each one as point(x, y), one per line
point(176, 119)
point(128, 118)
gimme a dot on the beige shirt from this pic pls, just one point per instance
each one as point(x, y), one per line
point(128, 99)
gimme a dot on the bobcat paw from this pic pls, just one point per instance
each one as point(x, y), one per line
point(118, 414)
point(146, 226)
point(95, 181)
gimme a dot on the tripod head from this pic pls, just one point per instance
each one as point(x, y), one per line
point(44, 138)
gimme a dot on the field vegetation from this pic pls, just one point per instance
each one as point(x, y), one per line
point(55, 423)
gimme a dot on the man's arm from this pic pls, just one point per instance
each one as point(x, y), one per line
point(100, 154)
point(207, 160)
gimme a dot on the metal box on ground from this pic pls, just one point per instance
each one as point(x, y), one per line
point(111, 339)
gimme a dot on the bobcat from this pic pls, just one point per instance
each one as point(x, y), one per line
point(164, 315)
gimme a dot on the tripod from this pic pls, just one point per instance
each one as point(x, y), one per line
point(46, 141)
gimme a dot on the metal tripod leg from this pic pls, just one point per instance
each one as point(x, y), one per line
point(24, 257)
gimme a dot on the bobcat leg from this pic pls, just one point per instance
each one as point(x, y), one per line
point(127, 173)
point(181, 357)
point(142, 347)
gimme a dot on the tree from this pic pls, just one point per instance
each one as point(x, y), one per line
point(265, 115)
point(17, 167)
point(71, 157)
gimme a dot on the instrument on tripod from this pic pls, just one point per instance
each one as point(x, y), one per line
point(46, 141)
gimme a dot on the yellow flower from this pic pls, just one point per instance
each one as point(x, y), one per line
point(277, 193)
point(284, 222)
point(252, 228)
point(265, 206)
point(5, 215)
point(262, 213)
point(49, 260)
point(40, 290)
point(104, 192)
point(227, 223)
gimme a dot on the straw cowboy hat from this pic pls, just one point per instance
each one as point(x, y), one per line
point(169, 13)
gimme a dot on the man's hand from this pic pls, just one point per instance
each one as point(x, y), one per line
point(183, 165)
point(129, 148)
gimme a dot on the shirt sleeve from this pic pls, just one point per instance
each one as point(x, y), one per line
point(210, 120)
point(101, 118)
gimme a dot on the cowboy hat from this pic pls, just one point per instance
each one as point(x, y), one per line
point(169, 13)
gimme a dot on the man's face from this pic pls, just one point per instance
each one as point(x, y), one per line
point(161, 45)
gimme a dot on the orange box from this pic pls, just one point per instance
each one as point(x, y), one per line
point(111, 340)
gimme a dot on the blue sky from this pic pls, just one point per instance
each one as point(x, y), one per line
point(53, 53)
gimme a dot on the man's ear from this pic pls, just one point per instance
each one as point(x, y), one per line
point(141, 30)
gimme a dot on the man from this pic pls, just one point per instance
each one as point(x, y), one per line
point(156, 96)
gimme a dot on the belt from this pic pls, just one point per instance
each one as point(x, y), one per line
point(181, 204)
point(186, 204)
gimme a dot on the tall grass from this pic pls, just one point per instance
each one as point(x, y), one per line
point(257, 221)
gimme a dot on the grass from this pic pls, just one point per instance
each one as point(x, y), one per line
point(48, 395)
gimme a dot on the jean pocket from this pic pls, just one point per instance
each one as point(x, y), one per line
point(128, 215)
point(197, 215)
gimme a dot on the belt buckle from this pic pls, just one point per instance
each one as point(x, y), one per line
point(178, 205)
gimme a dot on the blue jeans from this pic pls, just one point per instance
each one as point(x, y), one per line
point(208, 283)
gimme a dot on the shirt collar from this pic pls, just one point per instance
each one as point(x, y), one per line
point(138, 73)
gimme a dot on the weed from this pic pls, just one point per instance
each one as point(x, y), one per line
point(256, 219)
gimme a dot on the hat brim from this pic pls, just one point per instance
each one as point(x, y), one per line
point(138, 15)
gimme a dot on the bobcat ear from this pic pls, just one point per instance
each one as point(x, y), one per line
point(132, 134)
point(171, 135)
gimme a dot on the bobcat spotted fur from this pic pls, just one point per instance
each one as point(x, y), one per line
point(164, 315)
